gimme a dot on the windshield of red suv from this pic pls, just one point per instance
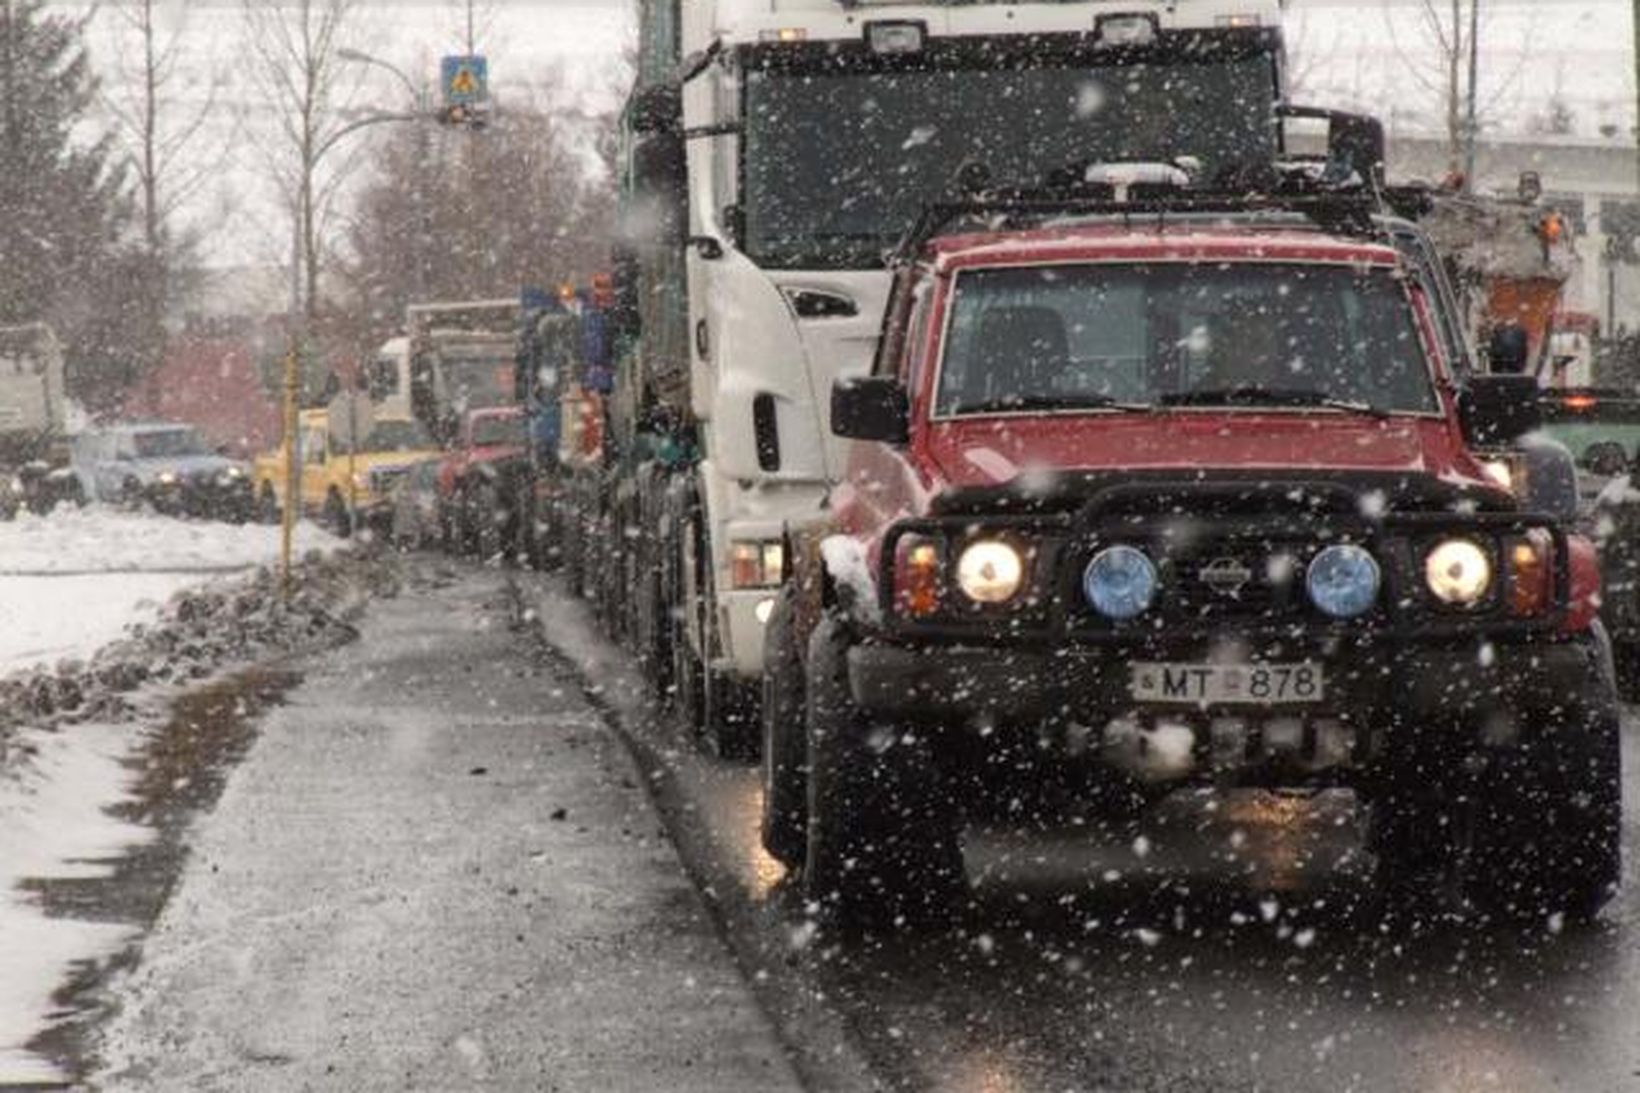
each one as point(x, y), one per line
point(1242, 335)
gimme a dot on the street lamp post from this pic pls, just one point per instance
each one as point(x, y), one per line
point(421, 98)
point(314, 155)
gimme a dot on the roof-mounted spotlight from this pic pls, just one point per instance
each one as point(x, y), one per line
point(1126, 29)
point(892, 37)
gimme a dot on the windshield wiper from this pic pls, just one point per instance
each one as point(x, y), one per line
point(1270, 396)
point(1028, 403)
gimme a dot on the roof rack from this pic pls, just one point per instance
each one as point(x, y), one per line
point(1341, 211)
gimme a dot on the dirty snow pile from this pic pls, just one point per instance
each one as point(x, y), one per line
point(68, 741)
point(200, 629)
point(71, 582)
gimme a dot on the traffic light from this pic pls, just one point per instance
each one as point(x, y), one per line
point(467, 115)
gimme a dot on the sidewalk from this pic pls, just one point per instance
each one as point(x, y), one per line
point(436, 870)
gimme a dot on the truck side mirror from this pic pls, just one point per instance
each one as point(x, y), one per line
point(659, 209)
point(1355, 142)
point(871, 408)
point(1507, 350)
point(657, 108)
point(1497, 409)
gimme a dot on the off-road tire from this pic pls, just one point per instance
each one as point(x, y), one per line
point(785, 817)
point(1545, 837)
point(883, 844)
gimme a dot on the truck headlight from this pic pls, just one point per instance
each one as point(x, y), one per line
point(1458, 572)
point(166, 478)
point(990, 571)
point(1120, 582)
point(361, 480)
point(756, 563)
point(1343, 581)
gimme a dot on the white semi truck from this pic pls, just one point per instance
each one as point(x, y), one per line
point(775, 151)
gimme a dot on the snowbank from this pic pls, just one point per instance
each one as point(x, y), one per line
point(103, 540)
point(71, 582)
point(78, 729)
point(55, 828)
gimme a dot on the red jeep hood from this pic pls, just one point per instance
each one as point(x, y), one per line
point(983, 452)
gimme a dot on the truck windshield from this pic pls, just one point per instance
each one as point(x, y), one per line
point(170, 442)
point(475, 379)
point(499, 430)
point(1068, 337)
point(397, 436)
point(819, 191)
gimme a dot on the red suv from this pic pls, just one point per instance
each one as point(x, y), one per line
point(1157, 495)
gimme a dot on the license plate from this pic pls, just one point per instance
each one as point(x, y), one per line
point(1214, 684)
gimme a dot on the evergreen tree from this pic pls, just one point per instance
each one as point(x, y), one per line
point(66, 253)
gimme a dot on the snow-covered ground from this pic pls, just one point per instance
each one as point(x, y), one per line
point(54, 825)
point(71, 583)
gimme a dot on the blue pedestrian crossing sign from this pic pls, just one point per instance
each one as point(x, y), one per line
point(465, 80)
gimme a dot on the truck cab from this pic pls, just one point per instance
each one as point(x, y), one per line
point(1150, 496)
point(341, 484)
point(773, 154)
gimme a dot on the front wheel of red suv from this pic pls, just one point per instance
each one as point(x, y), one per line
point(1546, 834)
point(883, 837)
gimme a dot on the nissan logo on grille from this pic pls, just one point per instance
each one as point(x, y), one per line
point(1226, 576)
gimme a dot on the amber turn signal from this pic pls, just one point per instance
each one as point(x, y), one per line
point(1529, 574)
point(917, 577)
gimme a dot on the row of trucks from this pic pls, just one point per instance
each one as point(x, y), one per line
point(989, 419)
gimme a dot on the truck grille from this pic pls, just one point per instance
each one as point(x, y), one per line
point(383, 479)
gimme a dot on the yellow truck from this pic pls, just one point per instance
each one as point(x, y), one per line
point(341, 486)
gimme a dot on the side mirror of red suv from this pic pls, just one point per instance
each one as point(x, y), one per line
point(871, 408)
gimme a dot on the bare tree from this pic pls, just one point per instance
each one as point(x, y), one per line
point(294, 49)
point(157, 125)
point(1454, 29)
point(453, 214)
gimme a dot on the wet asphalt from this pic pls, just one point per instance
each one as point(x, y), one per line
point(1220, 944)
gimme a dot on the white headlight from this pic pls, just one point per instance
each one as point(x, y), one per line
point(990, 571)
point(1458, 572)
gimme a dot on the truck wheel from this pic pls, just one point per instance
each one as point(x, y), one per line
point(730, 716)
point(1546, 832)
point(785, 749)
point(883, 843)
point(484, 514)
point(688, 690)
point(335, 516)
point(446, 529)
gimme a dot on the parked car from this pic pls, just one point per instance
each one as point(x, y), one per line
point(163, 465)
point(414, 504)
point(1152, 501)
